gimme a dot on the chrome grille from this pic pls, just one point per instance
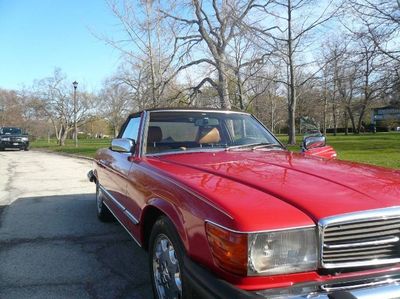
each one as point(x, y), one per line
point(361, 239)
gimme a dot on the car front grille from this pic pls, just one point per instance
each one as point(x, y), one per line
point(363, 239)
point(15, 139)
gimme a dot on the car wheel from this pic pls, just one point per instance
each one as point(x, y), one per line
point(102, 211)
point(26, 149)
point(166, 262)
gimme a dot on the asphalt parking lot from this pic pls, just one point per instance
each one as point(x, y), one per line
point(51, 243)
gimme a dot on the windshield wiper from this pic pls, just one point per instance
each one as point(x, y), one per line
point(253, 146)
point(264, 145)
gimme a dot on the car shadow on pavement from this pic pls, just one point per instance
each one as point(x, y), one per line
point(55, 247)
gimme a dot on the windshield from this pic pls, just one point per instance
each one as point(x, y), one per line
point(10, 131)
point(195, 130)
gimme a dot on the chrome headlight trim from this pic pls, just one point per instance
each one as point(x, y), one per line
point(283, 252)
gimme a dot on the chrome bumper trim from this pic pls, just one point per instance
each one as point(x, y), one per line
point(383, 287)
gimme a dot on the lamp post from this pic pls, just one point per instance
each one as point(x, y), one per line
point(75, 84)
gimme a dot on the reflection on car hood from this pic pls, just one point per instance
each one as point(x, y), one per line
point(317, 187)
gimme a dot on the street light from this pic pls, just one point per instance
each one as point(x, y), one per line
point(75, 84)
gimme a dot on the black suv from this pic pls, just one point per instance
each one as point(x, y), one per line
point(11, 137)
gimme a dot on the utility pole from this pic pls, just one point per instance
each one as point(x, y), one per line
point(75, 84)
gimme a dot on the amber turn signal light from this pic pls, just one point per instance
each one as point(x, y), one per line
point(229, 249)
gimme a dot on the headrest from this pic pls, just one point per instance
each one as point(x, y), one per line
point(154, 134)
point(209, 135)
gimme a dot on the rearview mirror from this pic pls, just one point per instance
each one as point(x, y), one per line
point(123, 145)
point(311, 142)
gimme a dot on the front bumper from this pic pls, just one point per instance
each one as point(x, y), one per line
point(370, 287)
point(14, 144)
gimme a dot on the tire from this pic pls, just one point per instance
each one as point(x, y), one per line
point(103, 213)
point(166, 262)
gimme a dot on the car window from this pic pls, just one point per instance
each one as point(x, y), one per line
point(177, 131)
point(11, 131)
point(241, 128)
point(132, 129)
point(193, 131)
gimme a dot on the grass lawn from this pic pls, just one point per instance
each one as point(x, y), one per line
point(86, 147)
point(379, 149)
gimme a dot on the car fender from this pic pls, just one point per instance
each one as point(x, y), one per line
point(170, 210)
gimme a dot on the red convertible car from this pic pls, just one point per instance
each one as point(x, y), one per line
point(225, 211)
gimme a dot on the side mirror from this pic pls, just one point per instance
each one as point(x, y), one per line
point(123, 145)
point(311, 142)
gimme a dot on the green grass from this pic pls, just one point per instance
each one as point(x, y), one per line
point(86, 147)
point(381, 149)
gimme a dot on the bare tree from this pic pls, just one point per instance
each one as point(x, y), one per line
point(115, 103)
point(381, 20)
point(148, 49)
point(294, 23)
point(54, 98)
point(213, 26)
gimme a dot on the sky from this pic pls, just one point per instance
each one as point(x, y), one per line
point(36, 36)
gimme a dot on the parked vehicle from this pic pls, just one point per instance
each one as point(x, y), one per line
point(12, 137)
point(225, 211)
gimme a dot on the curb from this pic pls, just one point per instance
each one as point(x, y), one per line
point(61, 154)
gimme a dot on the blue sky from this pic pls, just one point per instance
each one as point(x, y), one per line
point(38, 35)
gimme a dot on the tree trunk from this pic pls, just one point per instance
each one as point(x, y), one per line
point(292, 125)
point(325, 112)
point(239, 90)
point(334, 120)
point(292, 82)
point(353, 123)
point(273, 109)
point(223, 90)
point(63, 136)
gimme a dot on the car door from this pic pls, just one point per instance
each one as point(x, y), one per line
point(117, 167)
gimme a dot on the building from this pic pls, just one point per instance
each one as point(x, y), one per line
point(388, 116)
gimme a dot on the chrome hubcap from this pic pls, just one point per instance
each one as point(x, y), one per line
point(166, 271)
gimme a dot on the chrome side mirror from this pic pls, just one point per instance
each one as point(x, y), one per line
point(311, 142)
point(123, 145)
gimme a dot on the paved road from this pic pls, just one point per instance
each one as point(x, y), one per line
point(51, 243)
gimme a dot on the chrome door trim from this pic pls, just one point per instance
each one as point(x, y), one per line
point(120, 206)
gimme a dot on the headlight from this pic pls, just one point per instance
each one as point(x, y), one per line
point(282, 252)
point(267, 253)
point(25, 139)
point(5, 139)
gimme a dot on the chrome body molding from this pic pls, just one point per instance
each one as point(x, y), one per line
point(383, 287)
point(127, 230)
point(119, 206)
point(360, 239)
point(259, 231)
point(143, 134)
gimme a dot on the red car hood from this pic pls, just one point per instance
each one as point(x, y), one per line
point(318, 188)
